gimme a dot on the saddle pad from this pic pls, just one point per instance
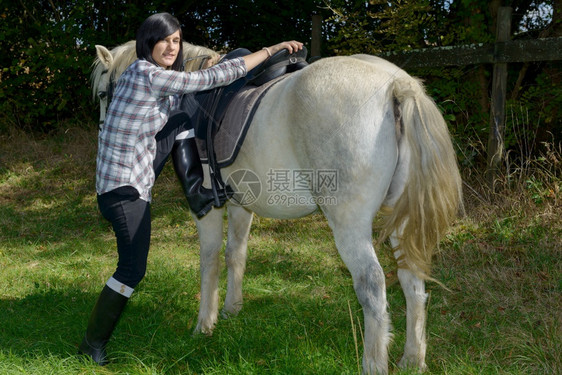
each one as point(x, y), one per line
point(233, 128)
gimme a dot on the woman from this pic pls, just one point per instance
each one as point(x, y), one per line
point(134, 144)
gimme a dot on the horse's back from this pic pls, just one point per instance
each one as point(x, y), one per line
point(343, 113)
point(336, 117)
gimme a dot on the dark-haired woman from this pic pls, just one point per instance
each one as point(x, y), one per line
point(136, 139)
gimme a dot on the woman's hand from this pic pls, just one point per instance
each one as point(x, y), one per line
point(258, 57)
point(293, 46)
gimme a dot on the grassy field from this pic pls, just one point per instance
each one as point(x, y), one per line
point(501, 262)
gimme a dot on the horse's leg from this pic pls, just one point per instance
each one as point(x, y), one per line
point(354, 243)
point(414, 291)
point(239, 222)
point(210, 238)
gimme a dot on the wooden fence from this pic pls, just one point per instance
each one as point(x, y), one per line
point(500, 53)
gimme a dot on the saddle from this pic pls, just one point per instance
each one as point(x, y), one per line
point(277, 65)
point(213, 104)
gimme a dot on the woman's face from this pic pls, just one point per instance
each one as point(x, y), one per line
point(166, 51)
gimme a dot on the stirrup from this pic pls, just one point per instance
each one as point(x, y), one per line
point(203, 202)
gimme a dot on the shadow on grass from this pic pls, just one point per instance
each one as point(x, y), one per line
point(156, 330)
point(44, 323)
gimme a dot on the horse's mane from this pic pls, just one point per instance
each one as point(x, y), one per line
point(190, 51)
point(125, 54)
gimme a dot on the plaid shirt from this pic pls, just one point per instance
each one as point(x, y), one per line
point(144, 96)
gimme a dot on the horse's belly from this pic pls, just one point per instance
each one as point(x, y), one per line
point(284, 205)
point(280, 193)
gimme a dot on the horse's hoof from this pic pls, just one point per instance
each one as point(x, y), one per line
point(199, 330)
point(230, 313)
point(226, 315)
point(412, 363)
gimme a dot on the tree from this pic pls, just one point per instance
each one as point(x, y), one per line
point(49, 47)
point(42, 69)
point(250, 24)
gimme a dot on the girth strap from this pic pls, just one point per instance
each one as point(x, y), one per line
point(280, 63)
point(217, 182)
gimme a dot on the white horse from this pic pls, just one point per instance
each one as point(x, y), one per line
point(363, 137)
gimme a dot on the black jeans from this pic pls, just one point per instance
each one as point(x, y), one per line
point(130, 218)
point(130, 215)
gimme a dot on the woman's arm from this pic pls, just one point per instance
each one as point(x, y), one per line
point(258, 57)
point(168, 82)
point(165, 82)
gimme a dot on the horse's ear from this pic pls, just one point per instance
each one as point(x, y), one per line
point(104, 55)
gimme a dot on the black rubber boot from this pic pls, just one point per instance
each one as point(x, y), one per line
point(103, 320)
point(187, 165)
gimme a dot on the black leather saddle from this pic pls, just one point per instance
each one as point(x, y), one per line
point(212, 104)
point(280, 63)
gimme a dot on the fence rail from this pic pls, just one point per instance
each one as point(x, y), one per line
point(547, 49)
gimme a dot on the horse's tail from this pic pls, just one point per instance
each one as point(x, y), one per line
point(432, 195)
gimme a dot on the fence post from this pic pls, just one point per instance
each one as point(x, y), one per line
point(495, 150)
point(316, 44)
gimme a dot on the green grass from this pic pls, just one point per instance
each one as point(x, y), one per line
point(501, 263)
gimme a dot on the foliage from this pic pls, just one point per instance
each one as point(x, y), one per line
point(43, 69)
point(544, 98)
point(251, 24)
point(49, 48)
point(378, 26)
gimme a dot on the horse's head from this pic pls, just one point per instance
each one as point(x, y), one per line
point(101, 85)
point(107, 68)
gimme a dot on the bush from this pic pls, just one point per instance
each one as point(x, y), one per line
point(46, 80)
